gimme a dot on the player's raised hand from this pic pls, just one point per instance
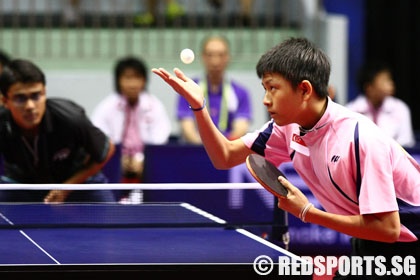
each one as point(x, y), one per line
point(183, 85)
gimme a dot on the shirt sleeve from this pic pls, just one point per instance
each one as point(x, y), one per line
point(244, 109)
point(95, 140)
point(406, 134)
point(156, 128)
point(377, 190)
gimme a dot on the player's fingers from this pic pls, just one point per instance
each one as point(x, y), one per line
point(159, 73)
point(48, 198)
point(180, 74)
point(173, 81)
point(285, 182)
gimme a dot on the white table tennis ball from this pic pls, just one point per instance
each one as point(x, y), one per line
point(187, 56)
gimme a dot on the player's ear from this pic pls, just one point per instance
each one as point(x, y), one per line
point(3, 101)
point(306, 88)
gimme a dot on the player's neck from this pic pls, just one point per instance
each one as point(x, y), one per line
point(316, 112)
point(30, 134)
point(215, 80)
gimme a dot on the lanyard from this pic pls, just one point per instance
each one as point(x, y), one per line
point(223, 112)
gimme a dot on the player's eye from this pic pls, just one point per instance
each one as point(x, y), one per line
point(21, 99)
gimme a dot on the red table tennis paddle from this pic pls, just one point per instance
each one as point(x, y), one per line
point(266, 174)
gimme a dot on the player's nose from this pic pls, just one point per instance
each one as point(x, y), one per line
point(266, 99)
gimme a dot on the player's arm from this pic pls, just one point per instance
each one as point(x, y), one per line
point(91, 168)
point(384, 227)
point(222, 152)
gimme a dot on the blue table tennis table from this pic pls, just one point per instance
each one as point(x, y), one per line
point(114, 237)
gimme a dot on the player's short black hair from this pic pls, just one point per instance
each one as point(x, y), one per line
point(298, 59)
point(20, 71)
point(129, 62)
point(368, 72)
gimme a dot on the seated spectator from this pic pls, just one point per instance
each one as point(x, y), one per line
point(378, 102)
point(227, 100)
point(47, 141)
point(132, 116)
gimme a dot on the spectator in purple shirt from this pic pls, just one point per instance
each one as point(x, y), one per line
point(227, 100)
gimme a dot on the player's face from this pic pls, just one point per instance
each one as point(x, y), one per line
point(131, 84)
point(26, 103)
point(282, 101)
point(216, 57)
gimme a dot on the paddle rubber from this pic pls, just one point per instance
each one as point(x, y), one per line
point(266, 174)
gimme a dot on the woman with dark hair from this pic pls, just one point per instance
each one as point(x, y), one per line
point(132, 116)
point(377, 100)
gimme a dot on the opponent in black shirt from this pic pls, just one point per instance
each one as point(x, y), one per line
point(47, 140)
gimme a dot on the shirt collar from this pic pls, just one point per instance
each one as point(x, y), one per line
point(325, 119)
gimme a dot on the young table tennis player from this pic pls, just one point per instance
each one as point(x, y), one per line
point(364, 180)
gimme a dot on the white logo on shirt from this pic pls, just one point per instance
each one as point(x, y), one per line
point(61, 154)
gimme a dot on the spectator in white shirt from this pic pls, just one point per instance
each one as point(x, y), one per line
point(132, 117)
point(378, 102)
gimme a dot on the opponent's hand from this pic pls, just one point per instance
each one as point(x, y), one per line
point(56, 196)
point(183, 85)
point(295, 199)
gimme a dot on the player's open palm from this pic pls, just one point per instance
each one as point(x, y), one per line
point(185, 86)
point(295, 200)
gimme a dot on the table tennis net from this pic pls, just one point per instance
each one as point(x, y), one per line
point(244, 205)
